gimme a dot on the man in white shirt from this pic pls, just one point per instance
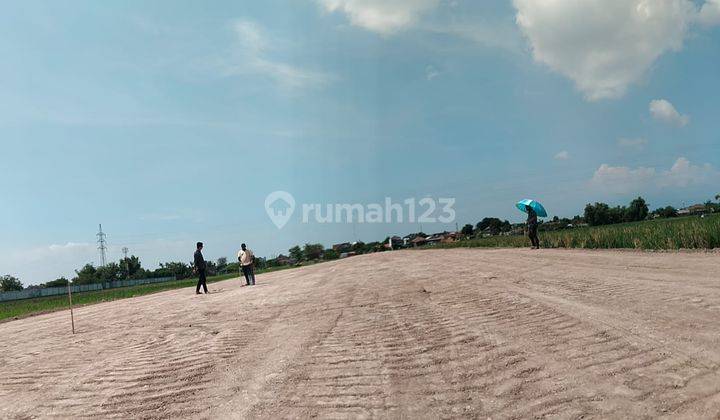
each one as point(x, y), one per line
point(247, 261)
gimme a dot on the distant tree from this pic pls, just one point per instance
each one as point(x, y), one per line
point(131, 267)
point(467, 229)
point(221, 264)
point(493, 225)
point(666, 212)
point(260, 262)
point(210, 268)
point(617, 214)
point(312, 251)
point(636, 211)
point(374, 247)
point(62, 281)
point(330, 254)
point(598, 214)
point(86, 275)
point(179, 270)
point(717, 197)
point(9, 283)
point(359, 247)
point(109, 272)
point(296, 253)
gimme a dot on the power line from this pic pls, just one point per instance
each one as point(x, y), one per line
point(102, 246)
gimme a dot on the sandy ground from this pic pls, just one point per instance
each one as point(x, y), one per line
point(414, 334)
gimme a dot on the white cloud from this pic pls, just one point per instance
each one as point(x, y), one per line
point(381, 16)
point(683, 174)
point(431, 72)
point(253, 58)
point(603, 45)
point(491, 34)
point(562, 155)
point(710, 13)
point(623, 180)
point(663, 110)
point(636, 143)
point(388, 17)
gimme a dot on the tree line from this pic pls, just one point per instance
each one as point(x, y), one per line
point(129, 268)
point(595, 214)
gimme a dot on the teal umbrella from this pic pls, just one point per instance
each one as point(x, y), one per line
point(539, 209)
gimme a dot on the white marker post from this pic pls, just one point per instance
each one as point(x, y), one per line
point(72, 317)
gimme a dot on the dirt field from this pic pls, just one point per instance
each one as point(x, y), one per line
point(446, 333)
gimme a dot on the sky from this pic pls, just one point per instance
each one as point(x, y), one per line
point(170, 122)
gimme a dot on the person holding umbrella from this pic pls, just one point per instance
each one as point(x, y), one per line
point(532, 226)
point(533, 210)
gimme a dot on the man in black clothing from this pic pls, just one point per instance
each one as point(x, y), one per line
point(532, 224)
point(200, 268)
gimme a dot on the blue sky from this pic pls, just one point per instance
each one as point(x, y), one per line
point(170, 122)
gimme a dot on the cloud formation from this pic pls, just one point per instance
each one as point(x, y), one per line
point(381, 16)
point(562, 155)
point(635, 144)
point(603, 45)
point(710, 13)
point(256, 48)
point(623, 180)
point(431, 72)
point(683, 174)
point(665, 111)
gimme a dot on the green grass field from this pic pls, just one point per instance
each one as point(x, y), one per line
point(679, 233)
point(27, 307)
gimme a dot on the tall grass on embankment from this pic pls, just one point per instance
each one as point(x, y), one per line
point(680, 233)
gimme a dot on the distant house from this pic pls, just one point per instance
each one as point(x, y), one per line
point(697, 209)
point(343, 247)
point(408, 239)
point(434, 239)
point(348, 254)
point(395, 242)
point(284, 260)
point(418, 241)
point(693, 210)
point(442, 237)
point(453, 236)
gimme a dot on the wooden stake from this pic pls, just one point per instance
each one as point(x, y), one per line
point(72, 317)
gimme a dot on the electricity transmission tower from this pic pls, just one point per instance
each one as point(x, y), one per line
point(102, 246)
point(127, 262)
